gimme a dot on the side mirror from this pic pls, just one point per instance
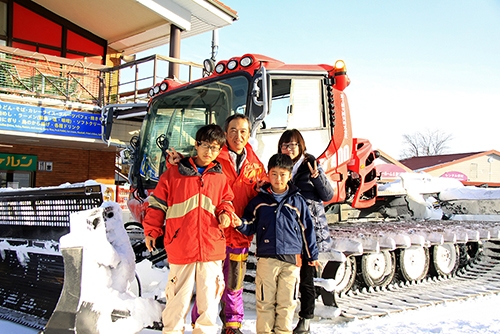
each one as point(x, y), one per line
point(256, 92)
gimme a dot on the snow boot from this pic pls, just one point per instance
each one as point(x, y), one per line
point(302, 327)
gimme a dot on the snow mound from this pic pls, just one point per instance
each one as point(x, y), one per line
point(108, 270)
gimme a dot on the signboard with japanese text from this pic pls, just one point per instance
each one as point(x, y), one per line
point(387, 171)
point(18, 162)
point(122, 196)
point(455, 175)
point(25, 118)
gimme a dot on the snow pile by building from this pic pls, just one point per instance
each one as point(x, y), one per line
point(435, 198)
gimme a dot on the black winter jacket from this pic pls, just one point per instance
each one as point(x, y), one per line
point(315, 191)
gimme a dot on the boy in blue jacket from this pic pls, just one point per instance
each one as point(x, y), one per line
point(280, 217)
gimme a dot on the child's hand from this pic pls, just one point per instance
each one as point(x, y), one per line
point(173, 156)
point(236, 220)
point(224, 220)
point(150, 243)
point(316, 264)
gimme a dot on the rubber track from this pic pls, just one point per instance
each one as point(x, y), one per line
point(22, 318)
point(480, 277)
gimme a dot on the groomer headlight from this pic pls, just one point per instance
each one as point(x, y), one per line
point(220, 68)
point(151, 92)
point(340, 66)
point(232, 64)
point(208, 65)
point(156, 89)
point(246, 61)
point(163, 86)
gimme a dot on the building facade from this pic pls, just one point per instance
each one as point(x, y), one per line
point(60, 65)
point(472, 169)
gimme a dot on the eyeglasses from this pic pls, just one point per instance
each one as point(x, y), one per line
point(207, 146)
point(289, 146)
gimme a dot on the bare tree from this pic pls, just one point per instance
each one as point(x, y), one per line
point(429, 142)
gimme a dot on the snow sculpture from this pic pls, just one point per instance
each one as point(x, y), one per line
point(100, 269)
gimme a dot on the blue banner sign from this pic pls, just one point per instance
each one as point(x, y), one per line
point(26, 118)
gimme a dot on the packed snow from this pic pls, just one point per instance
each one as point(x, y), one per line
point(448, 188)
point(478, 315)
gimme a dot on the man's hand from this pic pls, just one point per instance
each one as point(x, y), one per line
point(314, 171)
point(224, 220)
point(259, 184)
point(173, 156)
point(150, 243)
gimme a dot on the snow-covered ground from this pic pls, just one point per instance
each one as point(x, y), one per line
point(478, 315)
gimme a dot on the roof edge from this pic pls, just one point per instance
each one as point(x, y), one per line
point(226, 9)
point(449, 163)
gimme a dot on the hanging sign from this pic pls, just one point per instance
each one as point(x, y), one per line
point(455, 175)
point(18, 162)
point(25, 118)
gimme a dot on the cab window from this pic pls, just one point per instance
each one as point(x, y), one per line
point(295, 103)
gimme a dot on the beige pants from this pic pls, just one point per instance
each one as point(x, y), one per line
point(276, 291)
point(209, 282)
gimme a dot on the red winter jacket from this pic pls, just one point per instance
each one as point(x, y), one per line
point(243, 186)
point(191, 203)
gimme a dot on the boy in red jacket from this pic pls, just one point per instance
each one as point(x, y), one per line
point(244, 173)
point(195, 199)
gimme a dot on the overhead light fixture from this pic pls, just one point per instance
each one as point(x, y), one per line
point(128, 58)
point(163, 86)
point(232, 64)
point(246, 61)
point(6, 145)
point(220, 68)
point(208, 65)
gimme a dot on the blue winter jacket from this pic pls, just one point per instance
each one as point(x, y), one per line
point(283, 228)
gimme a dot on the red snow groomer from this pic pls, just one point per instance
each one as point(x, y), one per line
point(369, 255)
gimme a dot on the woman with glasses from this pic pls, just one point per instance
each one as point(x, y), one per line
point(314, 186)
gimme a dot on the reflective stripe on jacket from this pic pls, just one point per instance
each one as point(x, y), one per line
point(190, 202)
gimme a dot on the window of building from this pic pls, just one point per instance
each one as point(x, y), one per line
point(39, 30)
point(16, 180)
point(473, 171)
point(36, 29)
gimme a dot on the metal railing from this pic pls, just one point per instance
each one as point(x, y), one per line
point(31, 74)
point(130, 82)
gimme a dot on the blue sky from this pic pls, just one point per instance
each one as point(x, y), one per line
point(414, 65)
